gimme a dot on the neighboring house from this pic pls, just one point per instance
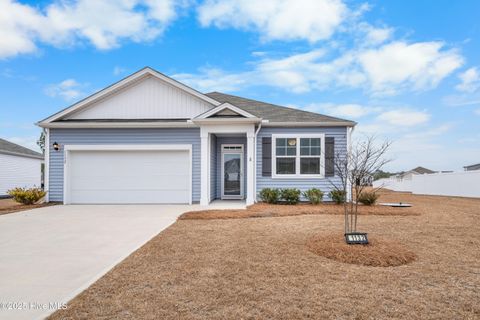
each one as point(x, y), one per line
point(19, 167)
point(472, 167)
point(151, 139)
point(418, 170)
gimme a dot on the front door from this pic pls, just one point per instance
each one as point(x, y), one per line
point(232, 171)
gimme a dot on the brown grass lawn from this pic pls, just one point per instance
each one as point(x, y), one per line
point(10, 206)
point(261, 268)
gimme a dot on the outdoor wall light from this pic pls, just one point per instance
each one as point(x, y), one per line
point(56, 146)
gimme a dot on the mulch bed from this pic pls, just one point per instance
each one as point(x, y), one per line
point(10, 206)
point(260, 210)
point(379, 252)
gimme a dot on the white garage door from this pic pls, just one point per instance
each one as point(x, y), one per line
point(133, 176)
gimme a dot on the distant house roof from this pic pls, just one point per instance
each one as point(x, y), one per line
point(472, 167)
point(276, 113)
point(422, 170)
point(7, 147)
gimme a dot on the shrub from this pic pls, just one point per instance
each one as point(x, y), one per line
point(269, 195)
point(368, 198)
point(290, 195)
point(26, 196)
point(313, 195)
point(338, 196)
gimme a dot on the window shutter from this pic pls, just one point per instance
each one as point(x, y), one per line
point(329, 156)
point(266, 157)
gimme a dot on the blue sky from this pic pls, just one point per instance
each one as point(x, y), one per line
point(408, 72)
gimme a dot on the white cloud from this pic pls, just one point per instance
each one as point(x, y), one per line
point(349, 111)
point(469, 80)
point(389, 69)
point(371, 35)
point(477, 112)
point(117, 70)
point(63, 23)
point(210, 79)
point(311, 20)
point(68, 90)
point(420, 65)
point(404, 117)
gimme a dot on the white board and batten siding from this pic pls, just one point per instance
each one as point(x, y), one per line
point(324, 184)
point(17, 171)
point(147, 98)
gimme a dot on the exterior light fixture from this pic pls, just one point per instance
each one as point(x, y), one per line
point(356, 238)
point(292, 142)
point(56, 146)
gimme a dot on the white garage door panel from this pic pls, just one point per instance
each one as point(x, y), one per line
point(129, 176)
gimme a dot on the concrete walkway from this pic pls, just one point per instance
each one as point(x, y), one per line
point(49, 255)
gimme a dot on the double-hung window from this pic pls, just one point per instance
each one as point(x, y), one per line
point(298, 156)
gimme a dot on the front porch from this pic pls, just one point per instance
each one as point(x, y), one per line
point(227, 163)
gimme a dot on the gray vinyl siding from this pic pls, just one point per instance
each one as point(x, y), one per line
point(213, 168)
point(340, 135)
point(120, 136)
point(230, 140)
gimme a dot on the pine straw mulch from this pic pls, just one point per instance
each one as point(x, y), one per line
point(260, 210)
point(262, 269)
point(10, 206)
point(379, 252)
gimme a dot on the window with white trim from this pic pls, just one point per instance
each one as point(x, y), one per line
point(297, 155)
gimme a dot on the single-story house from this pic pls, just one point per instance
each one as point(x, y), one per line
point(472, 167)
point(19, 167)
point(151, 139)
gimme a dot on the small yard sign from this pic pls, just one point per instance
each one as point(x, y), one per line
point(356, 238)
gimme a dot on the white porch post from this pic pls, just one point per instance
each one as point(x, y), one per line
point(204, 159)
point(250, 168)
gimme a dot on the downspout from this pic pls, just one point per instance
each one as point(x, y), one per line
point(255, 162)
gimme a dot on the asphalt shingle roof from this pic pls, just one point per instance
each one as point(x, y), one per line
point(8, 147)
point(272, 112)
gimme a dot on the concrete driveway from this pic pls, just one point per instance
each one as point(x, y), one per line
point(49, 255)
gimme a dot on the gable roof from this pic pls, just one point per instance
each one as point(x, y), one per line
point(145, 72)
point(422, 170)
point(225, 107)
point(276, 113)
point(10, 148)
point(473, 166)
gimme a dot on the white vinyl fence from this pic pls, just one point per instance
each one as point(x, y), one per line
point(461, 184)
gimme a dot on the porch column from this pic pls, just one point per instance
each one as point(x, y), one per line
point(204, 160)
point(250, 168)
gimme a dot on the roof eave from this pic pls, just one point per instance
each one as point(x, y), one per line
point(310, 124)
point(132, 124)
point(18, 154)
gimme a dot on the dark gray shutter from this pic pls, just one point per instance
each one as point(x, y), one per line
point(266, 157)
point(329, 156)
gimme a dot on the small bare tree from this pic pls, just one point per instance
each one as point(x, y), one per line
point(360, 162)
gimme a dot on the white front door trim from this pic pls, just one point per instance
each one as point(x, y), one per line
point(206, 130)
point(120, 147)
point(242, 177)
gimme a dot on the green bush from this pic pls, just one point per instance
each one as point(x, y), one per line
point(338, 196)
point(290, 195)
point(313, 195)
point(368, 198)
point(26, 196)
point(269, 195)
